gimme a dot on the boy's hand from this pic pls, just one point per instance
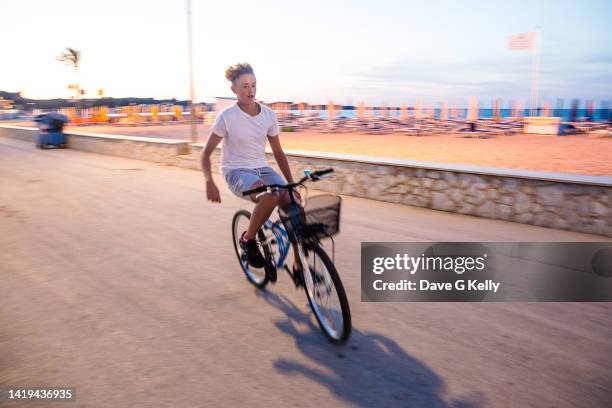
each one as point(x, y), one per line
point(212, 192)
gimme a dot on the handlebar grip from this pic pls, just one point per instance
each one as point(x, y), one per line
point(259, 189)
point(319, 173)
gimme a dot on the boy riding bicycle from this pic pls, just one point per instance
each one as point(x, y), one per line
point(244, 128)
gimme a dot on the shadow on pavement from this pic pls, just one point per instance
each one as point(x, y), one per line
point(370, 370)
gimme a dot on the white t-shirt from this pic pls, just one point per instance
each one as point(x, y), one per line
point(244, 137)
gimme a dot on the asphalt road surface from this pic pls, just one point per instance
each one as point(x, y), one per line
point(119, 279)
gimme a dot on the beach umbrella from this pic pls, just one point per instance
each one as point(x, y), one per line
point(403, 112)
point(418, 114)
point(330, 110)
point(521, 108)
point(605, 110)
point(178, 112)
point(559, 108)
point(473, 111)
point(71, 114)
point(518, 109)
point(443, 112)
point(574, 110)
point(103, 114)
point(360, 110)
point(590, 110)
point(154, 112)
point(330, 113)
point(497, 110)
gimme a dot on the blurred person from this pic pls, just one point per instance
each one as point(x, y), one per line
point(244, 128)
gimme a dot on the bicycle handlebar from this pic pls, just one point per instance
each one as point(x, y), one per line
point(313, 176)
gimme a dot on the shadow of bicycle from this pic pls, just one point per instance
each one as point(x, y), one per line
point(371, 370)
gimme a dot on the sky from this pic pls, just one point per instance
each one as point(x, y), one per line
point(314, 51)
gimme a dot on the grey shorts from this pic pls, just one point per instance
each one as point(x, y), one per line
point(239, 180)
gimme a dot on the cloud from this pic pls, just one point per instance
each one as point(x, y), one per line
point(561, 75)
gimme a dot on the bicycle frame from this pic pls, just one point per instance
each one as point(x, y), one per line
point(276, 227)
point(282, 239)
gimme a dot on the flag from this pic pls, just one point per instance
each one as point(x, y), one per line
point(525, 41)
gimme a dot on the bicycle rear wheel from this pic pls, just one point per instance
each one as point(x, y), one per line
point(257, 276)
point(326, 295)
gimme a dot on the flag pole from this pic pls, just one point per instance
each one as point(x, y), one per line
point(535, 72)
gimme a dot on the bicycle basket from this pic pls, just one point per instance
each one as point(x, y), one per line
point(293, 220)
point(323, 215)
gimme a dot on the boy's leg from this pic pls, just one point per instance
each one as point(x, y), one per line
point(264, 205)
point(239, 180)
point(284, 202)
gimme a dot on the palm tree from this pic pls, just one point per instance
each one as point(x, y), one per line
point(72, 57)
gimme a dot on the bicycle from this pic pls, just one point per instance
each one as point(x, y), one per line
point(303, 227)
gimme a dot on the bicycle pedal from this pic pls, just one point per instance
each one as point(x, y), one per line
point(298, 279)
point(272, 275)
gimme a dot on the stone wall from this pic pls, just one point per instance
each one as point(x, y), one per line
point(562, 201)
point(141, 148)
point(27, 134)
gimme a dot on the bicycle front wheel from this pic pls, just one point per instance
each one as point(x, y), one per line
point(326, 295)
point(257, 276)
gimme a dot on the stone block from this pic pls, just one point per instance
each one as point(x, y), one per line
point(503, 212)
point(522, 202)
point(439, 185)
point(596, 209)
point(456, 195)
point(486, 210)
point(550, 196)
point(441, 201)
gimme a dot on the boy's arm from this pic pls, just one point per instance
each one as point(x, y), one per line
point(280, 157)
point(212, 192)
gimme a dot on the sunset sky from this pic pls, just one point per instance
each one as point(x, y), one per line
point(347, 51)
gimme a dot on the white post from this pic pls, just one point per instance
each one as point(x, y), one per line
point(535, 73)
point(194, 134)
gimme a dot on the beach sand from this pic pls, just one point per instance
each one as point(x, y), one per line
point(581, 154)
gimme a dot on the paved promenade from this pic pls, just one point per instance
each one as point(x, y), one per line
point(118, 278)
